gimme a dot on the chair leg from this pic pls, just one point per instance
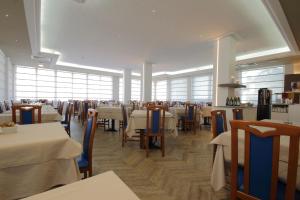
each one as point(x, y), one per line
point(85, 174)
point(90, 172)
point(162, 146)
point(147, 146)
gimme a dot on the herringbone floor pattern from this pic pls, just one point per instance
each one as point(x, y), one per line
point(184, 173)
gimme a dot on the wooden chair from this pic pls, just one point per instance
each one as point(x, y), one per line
point(237, 114)
point(27, 113)
point(125, 138)
point(6, 105)
point(189, 120)
point(218, 122)
point(75, 109)
point(85, 160)
point(258, 178)
point(68, 117)
point(155, 127)
point(85, 107)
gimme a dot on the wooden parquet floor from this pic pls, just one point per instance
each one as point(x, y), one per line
point(183, 174)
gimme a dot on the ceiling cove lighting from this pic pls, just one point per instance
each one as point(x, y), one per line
point(88, 67)
point(183, 71)
point(263, 53)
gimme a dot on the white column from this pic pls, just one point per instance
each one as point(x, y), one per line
point(224, 69)
point(168, 89)
point(147, 82)
point(189, 88)
point(127, 85)
point(116, 81)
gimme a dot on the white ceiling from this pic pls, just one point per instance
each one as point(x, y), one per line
point(172, 34)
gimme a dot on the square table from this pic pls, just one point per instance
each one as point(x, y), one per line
point(36, 158)
point(103, 186)
point(138, 120)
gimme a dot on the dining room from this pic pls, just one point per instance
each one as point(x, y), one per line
point(144, 100)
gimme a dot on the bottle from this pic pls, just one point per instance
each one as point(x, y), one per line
point(230, 101)
point(227, 101)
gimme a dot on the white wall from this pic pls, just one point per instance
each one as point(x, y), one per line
point(6, 78)
point(2, 76)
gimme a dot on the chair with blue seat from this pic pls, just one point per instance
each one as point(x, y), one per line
point(155, 127)
point(68, 115)
point(85, 160)
point(218, 122)
point(189, 119)
point(237, 114)
point(125, 138)
point(27, 113)
point(258, 177)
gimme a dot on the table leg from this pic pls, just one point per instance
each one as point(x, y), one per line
point(112, 129)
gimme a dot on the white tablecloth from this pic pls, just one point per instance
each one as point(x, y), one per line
point(178, 112)
point(49, 114)
point(138, 120)
point(36, 158)
point(223, 153)
point(103, 186)
point(109, 112)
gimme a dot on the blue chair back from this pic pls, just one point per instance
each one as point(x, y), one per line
point(27, 115)
point(219, 124)
point(89, 135)
point(155, 119)
point(191, 109)
point(237, 114)
point(259, 176)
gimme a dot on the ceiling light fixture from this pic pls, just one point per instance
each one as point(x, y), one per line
point(88, 67)
point(262, 53)
point(6, 15)
point(206, 67)
point(40, 65)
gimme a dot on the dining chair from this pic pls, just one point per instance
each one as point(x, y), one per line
point(218, 122)
point(155, 127)
point(6, 105)
point(86, 105)
point(125, 138)
point(2, 107)
point(258, 177)
point(189, 119)
point(75, 108)
point(68, 115)
point(85, 160)
point(237, 114)
point(27, 113)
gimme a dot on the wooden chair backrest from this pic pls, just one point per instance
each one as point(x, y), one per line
point(190, 112)
point(23, 107)
point(261, 159)
point(237, 114)
point(155, 114)
point(218, 122)
point(88, 145)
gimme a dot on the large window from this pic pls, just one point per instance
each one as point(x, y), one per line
point(135, 89)
point(43, 83)
point(179, 89)
point(202, 88)
point(161, 90)
point(121, 90)
point(25, 82)
point(270, 77)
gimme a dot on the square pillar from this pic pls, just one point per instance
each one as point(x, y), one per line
point(147, 82)
point(127, 85)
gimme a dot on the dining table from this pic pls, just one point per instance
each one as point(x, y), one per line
point(103, 186)
point(35, 158)
point(110, 112)
point(49, 114)
point(138, 121)
point(223, 156)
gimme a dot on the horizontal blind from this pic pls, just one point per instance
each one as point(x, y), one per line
point(135, 89)
point(179, 89)
point(161, 90)
point(254, 79)
point(202, 88)
point(50, 84)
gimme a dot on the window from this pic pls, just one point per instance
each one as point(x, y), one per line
point(202, 87)
point(25, 83)
point(106, 86)
point(271, 78)
point(79, 86)
point(64, 87)
point(121, 90)
point(45, 84)
point(161, 90)
point(179, 89)
point(50, 84)
point(135, 89)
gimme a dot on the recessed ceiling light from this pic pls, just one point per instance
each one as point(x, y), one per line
point(40, 65)
point(17, 40)
point(153, 11)
point(6, 15)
